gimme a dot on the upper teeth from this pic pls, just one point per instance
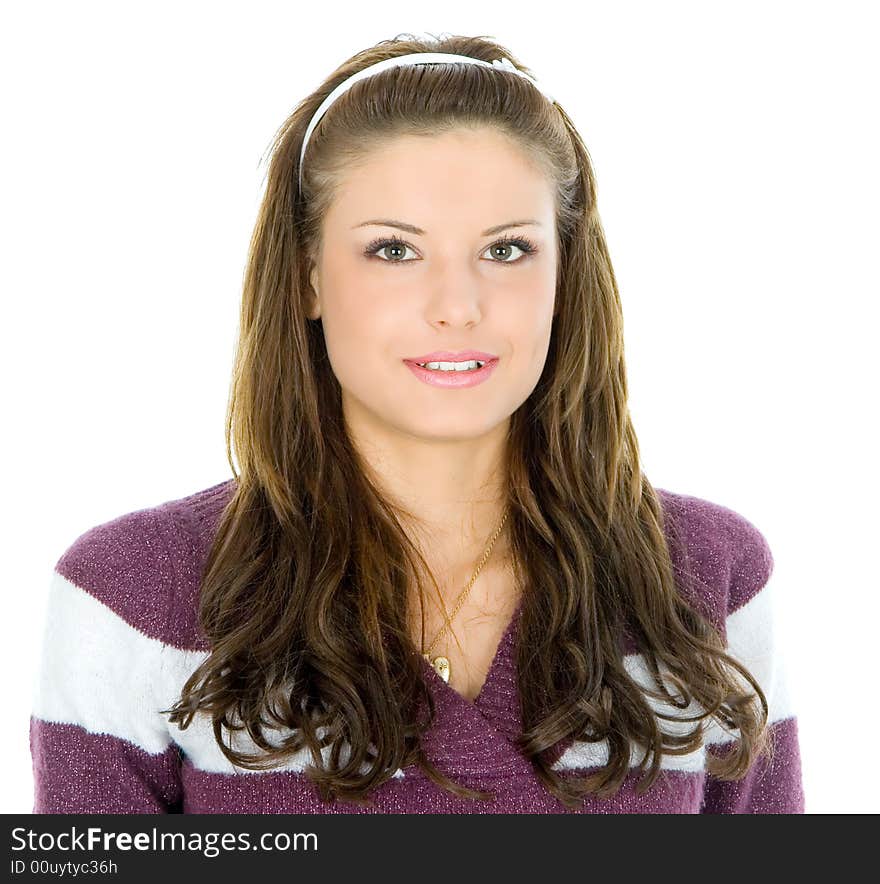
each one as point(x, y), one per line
point(452, 366)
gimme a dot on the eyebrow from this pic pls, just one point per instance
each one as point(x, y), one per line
point(410, 228)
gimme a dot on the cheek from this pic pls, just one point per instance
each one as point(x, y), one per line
point(531, 332)
point(534, 313)
point(359, 322)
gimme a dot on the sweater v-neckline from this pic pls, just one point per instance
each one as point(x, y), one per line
point(500, 660)
point(479, 736)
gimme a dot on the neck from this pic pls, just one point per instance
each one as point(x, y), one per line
point(450, 494)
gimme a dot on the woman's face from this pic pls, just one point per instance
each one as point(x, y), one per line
point(450, 287)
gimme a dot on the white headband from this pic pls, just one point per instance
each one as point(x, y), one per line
point(414, 58)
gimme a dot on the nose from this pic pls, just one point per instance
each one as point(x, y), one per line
point(456, 299)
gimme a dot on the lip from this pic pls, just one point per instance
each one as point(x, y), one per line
point(451, 379)
point(449, 356)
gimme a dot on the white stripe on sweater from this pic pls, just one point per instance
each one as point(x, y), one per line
point(751, 640)
point(100, 673)
point(97, 671)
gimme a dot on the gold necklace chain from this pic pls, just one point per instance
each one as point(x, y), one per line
point(441, 664)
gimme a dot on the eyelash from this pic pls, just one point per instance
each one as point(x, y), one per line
point(525, 245)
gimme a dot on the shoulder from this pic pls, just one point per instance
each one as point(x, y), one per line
point(723, 559)
point(145, 565)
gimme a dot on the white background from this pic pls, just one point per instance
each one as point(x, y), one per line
point(736, 155)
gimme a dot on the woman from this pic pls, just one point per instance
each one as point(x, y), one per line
point(440, 581)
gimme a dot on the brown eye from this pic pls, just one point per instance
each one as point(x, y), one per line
point(499, 249)
point(502, 250)
point(390, 250)
point(394, 249)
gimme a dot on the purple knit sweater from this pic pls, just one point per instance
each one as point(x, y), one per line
point(122, 637)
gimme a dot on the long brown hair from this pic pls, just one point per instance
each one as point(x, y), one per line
point(305, 591)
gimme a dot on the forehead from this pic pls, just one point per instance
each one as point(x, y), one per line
point(413, 176)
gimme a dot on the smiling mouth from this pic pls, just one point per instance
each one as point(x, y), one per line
point(467, 365)
point(457, 376)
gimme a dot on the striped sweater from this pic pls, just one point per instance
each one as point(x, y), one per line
point(121, 638)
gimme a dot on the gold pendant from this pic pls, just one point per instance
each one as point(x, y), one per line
point(441, 666)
